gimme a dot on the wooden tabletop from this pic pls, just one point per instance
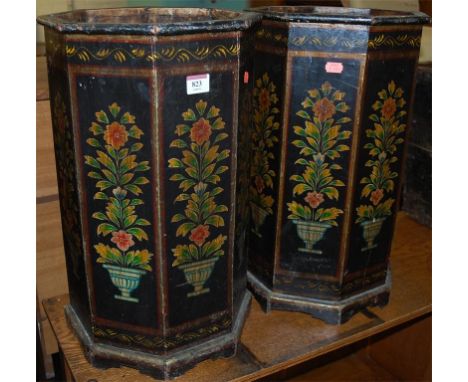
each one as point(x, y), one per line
point(279, 340)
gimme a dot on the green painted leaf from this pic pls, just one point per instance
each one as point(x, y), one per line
point(215, 221)
point(192, 172)
point(189, 115)
point(210, 155)
point(178, 143)
point(342, 148)
point(185, 228)
point(216, 191)
point(136, 147)
point(220, 137)
point(303, 114)
point(106, 228)
point(221, 169)
point(127, 118)
point(182, 129)
point(223, 155)
point(201, 106)
point(101, 196)
point(92, 162)
point(299, 143)
point(142, 166)
point(129, 220)
point(175, 163)
point(331, 192)
point(142, 222)
point(109, 175)
point(124, 179)
point(214, 179)
point(96, 128)
point(95, 175)
point(141, 180)
point(329, 214)
point(218, 124)
point(213, 112)
point(106, 160)
point(135, 132)
point(114, 109)
point(103, 184)
point(133, 189)
point(186, 184)
point(101, 116)
point(99, 216)
point(136, 202)
point(208, 170)
point(177, 218)
point(138, 233)
point(301, 188)
point(93, 142)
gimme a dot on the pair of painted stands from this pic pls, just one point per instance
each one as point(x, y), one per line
point(188, 140)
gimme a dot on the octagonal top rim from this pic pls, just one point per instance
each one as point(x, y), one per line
point(341, 15)
point(149, 21)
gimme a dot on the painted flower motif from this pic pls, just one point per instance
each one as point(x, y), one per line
point(122, 239)
point(201, 131)
point(116, 135)
point(314, 199)
point(199, 234)
point(119, 192)
point(259, 184)
point(264, 99)
point(319, 158)
point(324, 109)
point(376, 196)
point(389, 108)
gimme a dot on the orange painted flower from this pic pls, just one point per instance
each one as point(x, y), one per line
point(199, 234)
point(123, 240)
point(389, 108)
point(116, 135)
point(201, 131)
point(324, 109)
point(259, 184)
point(376, 196)
point(264, 99)
point(314, 199)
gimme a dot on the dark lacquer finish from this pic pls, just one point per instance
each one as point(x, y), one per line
point(148, 126)
point(331, 98)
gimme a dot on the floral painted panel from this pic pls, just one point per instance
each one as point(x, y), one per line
point(320, 129)
point(263, 139)
point(198, 189)
point(198, 171)
point(379, 185)
point(379, 162)
point(119, 175)
point(321, 139)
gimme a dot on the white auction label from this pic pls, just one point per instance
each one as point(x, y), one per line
point(199, 83)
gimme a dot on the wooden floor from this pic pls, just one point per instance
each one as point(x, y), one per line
point(273, 343)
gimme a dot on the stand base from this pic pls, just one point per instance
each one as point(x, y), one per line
point(166, 366)
point(330, 311)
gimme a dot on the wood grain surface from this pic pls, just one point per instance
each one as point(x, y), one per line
point(280, 340)
point(42, 84)
point(46, 177)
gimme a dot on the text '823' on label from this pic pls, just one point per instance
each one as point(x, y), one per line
point(198, 83)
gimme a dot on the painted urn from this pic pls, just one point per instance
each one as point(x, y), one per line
point(331, 104)
point(150, 117)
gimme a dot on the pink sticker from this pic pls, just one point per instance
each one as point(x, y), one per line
point(334, 67)
point(246, 77)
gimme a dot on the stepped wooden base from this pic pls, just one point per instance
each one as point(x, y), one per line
point(332, 312)
point(160, 366)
